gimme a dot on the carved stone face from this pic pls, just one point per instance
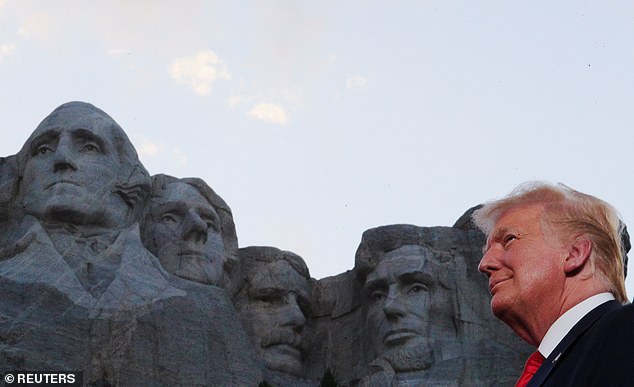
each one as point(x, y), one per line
point(183, 230)
point(71, 170)
point(274, 314)
point(399, 294)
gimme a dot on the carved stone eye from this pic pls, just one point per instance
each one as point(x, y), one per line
point(90, 148)
point(168, 218)
point(377, 296)
point(211, 224)
point(43, 149)
point(417, 288)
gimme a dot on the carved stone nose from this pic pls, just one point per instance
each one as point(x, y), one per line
point(195, 229)
point(393, 307)
point(295, 317)
point(63, 160)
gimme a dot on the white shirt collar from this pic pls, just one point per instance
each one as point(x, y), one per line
point(566, 321)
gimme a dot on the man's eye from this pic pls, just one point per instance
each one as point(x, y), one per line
point(508, 239)
point(377, 296)
point(42, 150)
point(417, 288)
point(89, 147)
point(211, 224)
point(168, 218)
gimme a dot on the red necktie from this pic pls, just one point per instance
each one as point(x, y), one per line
point(532, 365)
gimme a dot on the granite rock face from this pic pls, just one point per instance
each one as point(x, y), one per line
point(191, 339)
point(79, 289)
point(138, 280)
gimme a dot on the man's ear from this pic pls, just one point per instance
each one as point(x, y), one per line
point(578, 254)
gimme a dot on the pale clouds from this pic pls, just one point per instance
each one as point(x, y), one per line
point(36, 25)
point(270, 113)
point(6, 50)
point(356, 82)
point(281, 104)
point(199, 71)
point(149, 148)
point(287, 96)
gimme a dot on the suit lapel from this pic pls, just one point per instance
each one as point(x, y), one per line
point(568, 341)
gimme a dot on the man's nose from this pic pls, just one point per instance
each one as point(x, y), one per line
point(393, 306)
point(64, 157)
point(294, 316)
point(194, 228)
point(489, 262)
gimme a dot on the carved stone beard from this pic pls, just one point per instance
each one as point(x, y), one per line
point(416, 355)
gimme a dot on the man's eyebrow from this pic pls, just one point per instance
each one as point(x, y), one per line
point(375, 284)
point(496, 235)
point(51, 134)
point(416, 276)
point(170, 206)
point(182, 205)
point(87, 135)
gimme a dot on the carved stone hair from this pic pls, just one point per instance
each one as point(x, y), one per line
point(377, 242)
point(252, 258)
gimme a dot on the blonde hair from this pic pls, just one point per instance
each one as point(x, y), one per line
point(570, 212)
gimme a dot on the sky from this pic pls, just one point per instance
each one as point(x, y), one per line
point(317, 120)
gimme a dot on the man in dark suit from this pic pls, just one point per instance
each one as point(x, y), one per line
point(554, 259)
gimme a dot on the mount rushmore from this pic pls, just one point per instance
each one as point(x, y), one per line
point(140, 280)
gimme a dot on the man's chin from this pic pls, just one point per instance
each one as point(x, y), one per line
point(499, 306)
point(415, 355)
point(197, 268)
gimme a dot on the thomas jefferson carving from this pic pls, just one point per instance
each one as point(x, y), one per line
point(190, 229)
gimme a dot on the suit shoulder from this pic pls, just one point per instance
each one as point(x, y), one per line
point(620, 316)
point(614, 333)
